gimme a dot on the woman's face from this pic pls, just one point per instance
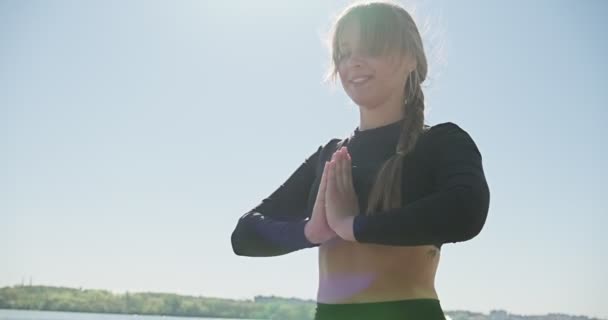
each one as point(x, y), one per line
point(370, 80)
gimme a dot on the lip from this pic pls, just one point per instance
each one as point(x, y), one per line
point(366, 77)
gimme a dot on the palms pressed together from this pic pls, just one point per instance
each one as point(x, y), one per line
point(336, 204)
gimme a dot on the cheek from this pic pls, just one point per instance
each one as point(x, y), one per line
point(392, 78)
point(345, 84)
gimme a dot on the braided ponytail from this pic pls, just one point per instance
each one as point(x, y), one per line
point(386, 190)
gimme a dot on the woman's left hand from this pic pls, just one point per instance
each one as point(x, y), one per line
point(341, 202)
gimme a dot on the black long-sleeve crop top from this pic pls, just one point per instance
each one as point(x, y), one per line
point(445, 196)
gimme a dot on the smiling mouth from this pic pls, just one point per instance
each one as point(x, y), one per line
point(359, 81)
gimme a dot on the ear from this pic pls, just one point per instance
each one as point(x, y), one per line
point(406, 64)
point(410, 63)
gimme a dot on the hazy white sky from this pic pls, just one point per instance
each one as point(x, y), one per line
point(134, 134)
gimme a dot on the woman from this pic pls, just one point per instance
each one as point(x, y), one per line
point(380, 203)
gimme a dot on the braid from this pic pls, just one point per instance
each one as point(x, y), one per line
point(414, 115)
point(386, 191)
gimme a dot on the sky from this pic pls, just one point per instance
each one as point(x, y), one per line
point(134, 134)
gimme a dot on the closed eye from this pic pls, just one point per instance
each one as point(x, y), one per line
point(343, 55)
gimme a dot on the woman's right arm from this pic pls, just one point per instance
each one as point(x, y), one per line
point(276, 226)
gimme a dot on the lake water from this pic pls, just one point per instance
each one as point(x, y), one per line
point(53, 315)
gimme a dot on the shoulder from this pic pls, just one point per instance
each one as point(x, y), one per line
point(323, 151)
point(444, 128)
point(330, 147)
point(448, 136)
point(324, 146)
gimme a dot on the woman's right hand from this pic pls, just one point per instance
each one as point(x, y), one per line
point(317, 229)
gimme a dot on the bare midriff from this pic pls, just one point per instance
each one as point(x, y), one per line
point(352, 272)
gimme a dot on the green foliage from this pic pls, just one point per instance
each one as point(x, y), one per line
point(101, 301)
point(147, 303)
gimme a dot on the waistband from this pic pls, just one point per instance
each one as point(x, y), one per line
point(428, 309)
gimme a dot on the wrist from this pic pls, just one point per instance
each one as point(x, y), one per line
point(307, 232)
point(312, 236)
point(345, 228)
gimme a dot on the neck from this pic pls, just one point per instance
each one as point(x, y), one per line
point(388, 112)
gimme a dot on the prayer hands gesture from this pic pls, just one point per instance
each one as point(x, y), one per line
point(336, 204)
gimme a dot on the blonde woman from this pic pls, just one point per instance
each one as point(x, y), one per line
point(380, 203)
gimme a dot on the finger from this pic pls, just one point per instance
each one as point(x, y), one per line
point(349, 172)
point(344, 171)
point(323, 183)
point(331, 179)
point(338, 170)
point(334, 155)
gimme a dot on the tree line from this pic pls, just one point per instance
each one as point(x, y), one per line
point(148, 303)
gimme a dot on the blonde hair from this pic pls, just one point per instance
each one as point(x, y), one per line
point(386, 27)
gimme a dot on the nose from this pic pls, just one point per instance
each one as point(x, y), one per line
point(354, 60)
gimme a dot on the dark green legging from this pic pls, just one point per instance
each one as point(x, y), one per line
point(414, 309)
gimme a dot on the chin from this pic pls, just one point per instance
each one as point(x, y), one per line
point(365, 98)
point(365, 102)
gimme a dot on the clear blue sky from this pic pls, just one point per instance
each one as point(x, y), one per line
point(134, 134)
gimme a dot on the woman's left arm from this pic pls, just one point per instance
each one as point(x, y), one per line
point(456, 212)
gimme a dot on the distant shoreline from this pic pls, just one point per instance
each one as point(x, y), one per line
point(65, 299)
point(121, 314)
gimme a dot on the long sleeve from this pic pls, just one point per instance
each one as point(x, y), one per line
point(276, 226)
point(456, 211)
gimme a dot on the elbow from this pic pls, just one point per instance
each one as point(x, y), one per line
point(240, 237)
point(473, 227)
point(247, 243)
point(239, 241)
point(474, 205)
point(237, 245)
point(255, 236)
